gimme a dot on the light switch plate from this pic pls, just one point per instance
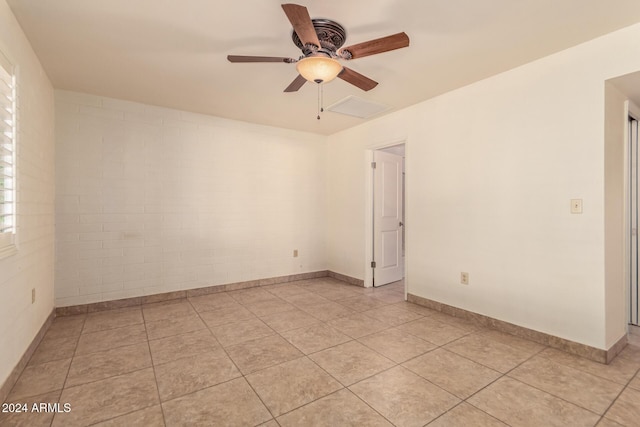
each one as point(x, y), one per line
point(576, 206)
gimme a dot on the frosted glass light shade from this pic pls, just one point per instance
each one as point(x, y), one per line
point(319, 69)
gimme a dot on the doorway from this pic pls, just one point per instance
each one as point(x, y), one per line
point(633, 223)
point(387, 206)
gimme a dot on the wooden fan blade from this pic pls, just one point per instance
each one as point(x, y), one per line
point(296, 84)
point(372, 47)
point(240, 58)
point(357, 79)
point(301, 22)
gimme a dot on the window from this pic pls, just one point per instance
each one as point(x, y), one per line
point(8, 134)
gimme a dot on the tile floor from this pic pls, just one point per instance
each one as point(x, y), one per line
point(315, 352)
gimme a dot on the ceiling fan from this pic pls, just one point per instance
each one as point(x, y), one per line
point(321, 43)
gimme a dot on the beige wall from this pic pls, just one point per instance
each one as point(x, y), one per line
point(491, 169)
point(32, 266)
point(152, 200)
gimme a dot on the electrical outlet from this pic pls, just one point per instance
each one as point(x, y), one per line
point(33, 295)
point(464, 278)
point(295, 253)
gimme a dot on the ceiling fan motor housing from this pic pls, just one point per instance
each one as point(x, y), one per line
point(330, 34)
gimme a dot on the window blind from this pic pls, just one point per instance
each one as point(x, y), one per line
point(8, 133)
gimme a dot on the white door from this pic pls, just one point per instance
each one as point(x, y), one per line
point(387, 219)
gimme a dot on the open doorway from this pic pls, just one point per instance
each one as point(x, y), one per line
point(628, 87)
point(632, 224)
point(387, 216)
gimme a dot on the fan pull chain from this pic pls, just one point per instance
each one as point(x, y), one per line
point(320, 99)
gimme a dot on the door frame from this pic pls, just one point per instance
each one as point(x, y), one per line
point(630, 109)
point(368, 210)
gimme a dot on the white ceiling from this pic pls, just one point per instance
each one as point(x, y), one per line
point(172, 53)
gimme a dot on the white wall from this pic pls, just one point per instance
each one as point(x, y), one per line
point(491, 169)
point(32, 266)
point(152, 200)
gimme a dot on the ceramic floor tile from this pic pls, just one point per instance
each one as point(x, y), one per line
point(626, 409)
point(106, 399)
point(112, 319)
point(605, 422)
point(233, 403)
point(270, 423)
point(488, 352)
point(575, 386)
point(105, 340)
point(397, 345)
point(351, 362)
point(433, 330)
point(283, 291)
point(211, 301)
point(27, 417)
point(39, 379)
point(184, 345)
point(361, 303)
point(66, 326)
point(327, 311)
point(357, 325)
point(108, 363)
point(184, 376)
point(518, 404)
point(389, 296)
point(288, 320)
point(167, 310)
point(201, 346)
point(248, 296)
point(466, 415)
point(341, 408)
point(392, 316)
point(51, 349)
point(460, 323)
point(292, 384)
point(521, 344)
point(306, 299)
point(620, 370)
point(174, 326)
point(251, 356)
point(229, 314)
point(337, 294)
point(403, 397)
point(418, 309)
point(263, 308)
point(455, 374)
point(237, 332)
point(314, 338)
point(635, 382)
point(149, 417)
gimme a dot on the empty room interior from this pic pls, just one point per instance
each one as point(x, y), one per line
point(400, 213)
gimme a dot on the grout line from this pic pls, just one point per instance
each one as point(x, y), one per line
point(75, 350)
point(626, 386)
point(153, 368)
point(243, 376)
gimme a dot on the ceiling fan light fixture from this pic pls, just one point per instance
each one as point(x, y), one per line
point(319, 69)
